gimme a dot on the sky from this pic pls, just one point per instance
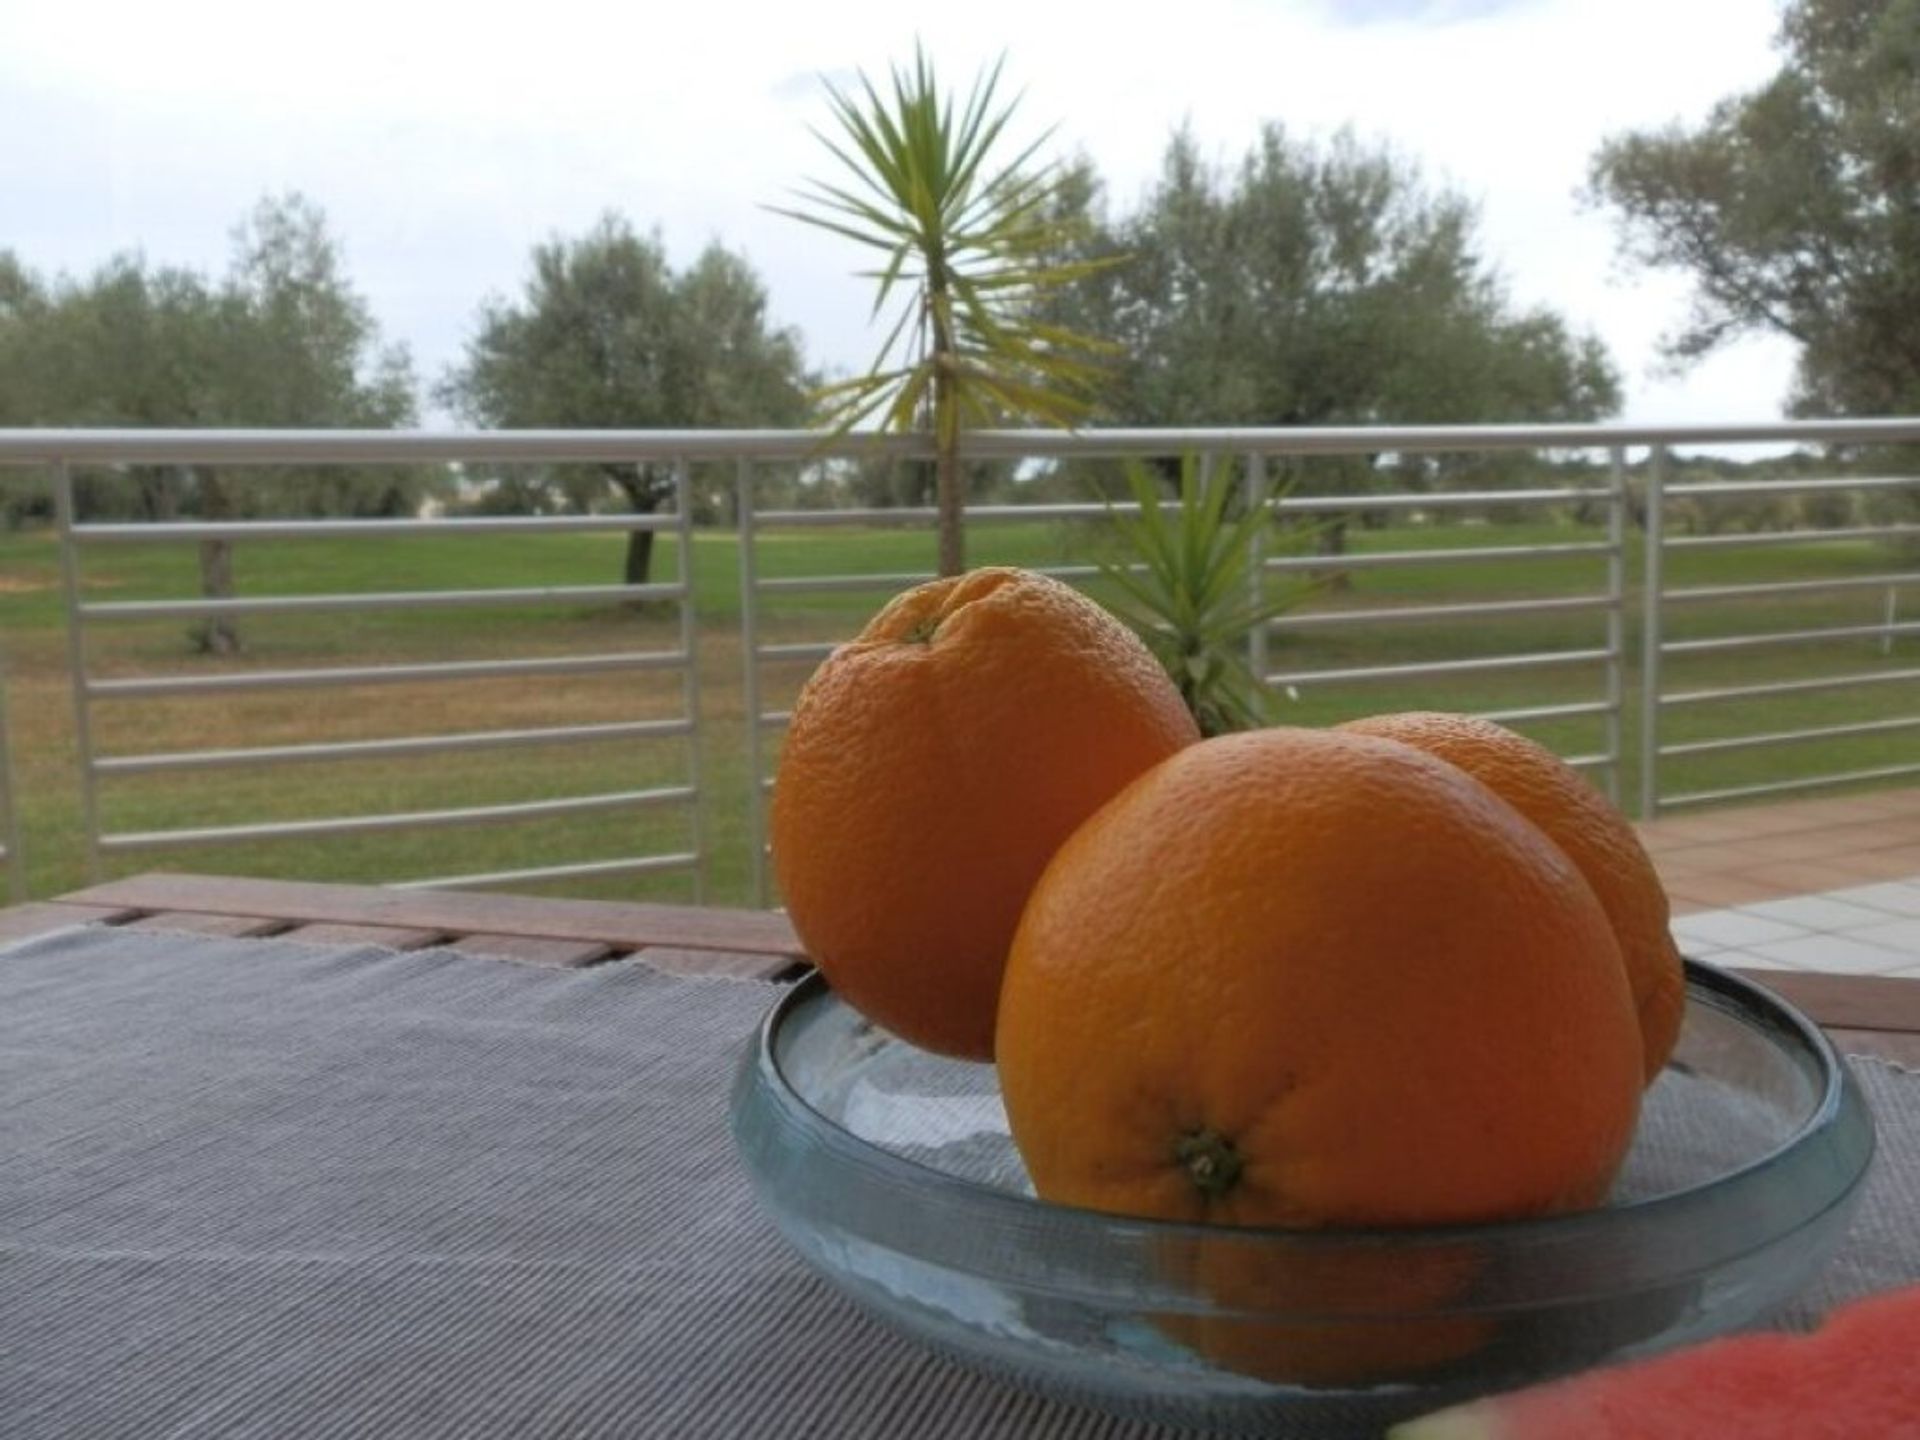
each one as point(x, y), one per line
point(445, 141)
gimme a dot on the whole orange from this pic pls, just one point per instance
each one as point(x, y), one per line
point(932, 768)
point(1595, 836)
point(1305, 978)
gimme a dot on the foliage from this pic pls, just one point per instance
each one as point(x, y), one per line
point(1319, 284)
point(1315, 285)
point(282, 341)
point(1795, 207)
point(968, 245)
point(1192, 591)
point(607, 335)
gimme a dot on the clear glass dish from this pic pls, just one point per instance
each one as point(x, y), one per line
point(890, 1171)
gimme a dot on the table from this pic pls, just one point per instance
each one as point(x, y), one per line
point(680, 939)
point(267, 1242)
point(1864, 1014)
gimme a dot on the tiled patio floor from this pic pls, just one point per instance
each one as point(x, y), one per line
point(1768, 852)
point(1830, 884)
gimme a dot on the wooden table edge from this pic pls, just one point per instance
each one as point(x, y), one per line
point(1863, 1013)
point(731, 937)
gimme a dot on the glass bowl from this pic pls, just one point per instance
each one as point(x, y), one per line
point(891, 1172)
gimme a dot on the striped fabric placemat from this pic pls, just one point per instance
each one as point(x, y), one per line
point(255, 1188)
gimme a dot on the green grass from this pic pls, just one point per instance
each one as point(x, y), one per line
point(33, 644)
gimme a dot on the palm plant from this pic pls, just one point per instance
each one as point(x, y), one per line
point(1193, 591)
point(969, 244)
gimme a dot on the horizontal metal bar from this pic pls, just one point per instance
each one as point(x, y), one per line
point(1590, 762)
point(1523, 713)
point(1388, 559)
point(390, 600)
point(1791, 687)
point(381, 674)
point(1790, 587)
point(1790, 737)
point(826, 583)
point(1809, 486)
point(775, 719)
point(384, 749)
point(796, 652)
point(811, 583)
point(410, 820)
point(1065, 510)
point(1790, 537)
point(1440, 667)
point(178, 530)
point(1321, 619)
point(304, 447)
point(1787, 637)
point(1774, 787)
point(927, 514)
point(637, 865)
point(1435, 500)
point(861, 515)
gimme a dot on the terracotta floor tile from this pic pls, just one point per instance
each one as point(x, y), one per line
point(1800, 878)
point(1672, 869)
point(1863, 808)
point(1718, 891)
point(1902, 802)
point(1875, 865)
point(1805, 845)
point(1679, 905)
point(1738, 855)
point(1691, 830)
point(1772, 820)
point(1879, 804)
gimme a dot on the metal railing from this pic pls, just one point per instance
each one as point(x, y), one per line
point(91, 691)
point(1661, 597)
point(1609, 602)
point(749, 453)
point(1254, 450)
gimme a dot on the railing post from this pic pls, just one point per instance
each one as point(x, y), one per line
point(690, 652)
point(11, 852)
point(750, 680)
point(1650, 635)
point(1616, 617)
point(77, 662)
point(1257, 497)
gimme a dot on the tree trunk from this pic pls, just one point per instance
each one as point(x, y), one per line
point(639, 556)
point(949, 482)
point(633, 482)
point(159, 495)
point(949, 491)
point(1333, 541)
point(216, 635)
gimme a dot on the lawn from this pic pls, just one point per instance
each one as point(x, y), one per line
point(34, 646)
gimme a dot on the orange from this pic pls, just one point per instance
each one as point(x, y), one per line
point(1351, 1315)
point(932, 768)
point(1595, 836)
point(1299, 977)
point(1306, 978)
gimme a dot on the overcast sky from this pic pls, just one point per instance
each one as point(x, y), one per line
point(443, 141)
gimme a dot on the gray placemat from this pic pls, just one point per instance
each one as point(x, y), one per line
point(253, 1188)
